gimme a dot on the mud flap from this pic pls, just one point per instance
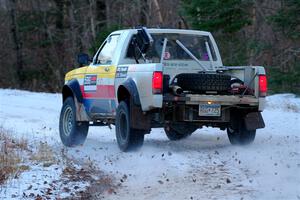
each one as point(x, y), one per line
point(81, 114)
point(139, 120)
point(254, 121)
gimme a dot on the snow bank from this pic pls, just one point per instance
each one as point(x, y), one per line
point(284, 102)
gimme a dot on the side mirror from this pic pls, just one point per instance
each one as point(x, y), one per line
point(83, 59)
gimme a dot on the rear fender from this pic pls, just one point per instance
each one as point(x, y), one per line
point(138, 119)
point(130, 85)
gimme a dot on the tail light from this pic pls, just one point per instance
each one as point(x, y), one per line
point(263, 87)
point(157, 82)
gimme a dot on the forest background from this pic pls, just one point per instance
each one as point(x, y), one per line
point(40, 39)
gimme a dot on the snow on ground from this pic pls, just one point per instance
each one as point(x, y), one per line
point(203, 166)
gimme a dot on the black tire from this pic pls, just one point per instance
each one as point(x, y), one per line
point(178, 132)
point(72, 133)
point(128, 138)
point(204, 82)
point(240, 135)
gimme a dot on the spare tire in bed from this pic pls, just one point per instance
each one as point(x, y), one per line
point(203, 82)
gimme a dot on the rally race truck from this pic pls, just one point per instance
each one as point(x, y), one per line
point(174, 79)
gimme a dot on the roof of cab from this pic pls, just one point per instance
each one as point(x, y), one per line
point(161, 30)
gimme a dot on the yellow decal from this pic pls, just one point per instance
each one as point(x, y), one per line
point(76, 73)
point(100, 71)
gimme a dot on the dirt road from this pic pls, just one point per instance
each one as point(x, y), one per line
point(203, 166)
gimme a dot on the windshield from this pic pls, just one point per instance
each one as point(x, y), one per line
point(194, 43)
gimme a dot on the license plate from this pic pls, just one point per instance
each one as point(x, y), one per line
point(213, 110)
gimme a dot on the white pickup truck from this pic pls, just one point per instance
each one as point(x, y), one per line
point(148, 78)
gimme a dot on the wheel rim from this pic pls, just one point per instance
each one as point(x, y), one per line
point(123, 126)
point(68, 121)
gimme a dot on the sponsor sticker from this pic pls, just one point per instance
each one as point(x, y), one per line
point(90, 83)
point(122, 72)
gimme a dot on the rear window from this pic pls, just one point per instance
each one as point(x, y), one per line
point(194, 43)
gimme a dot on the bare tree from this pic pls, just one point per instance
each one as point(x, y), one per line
point(17, 41)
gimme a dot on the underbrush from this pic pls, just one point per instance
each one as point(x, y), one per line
point(42, 172)
point(11, 156)
point(17, 156)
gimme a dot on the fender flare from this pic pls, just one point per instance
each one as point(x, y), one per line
point(74, 86)
point(130, 85)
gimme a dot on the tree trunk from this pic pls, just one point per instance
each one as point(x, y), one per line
point(17, 42)
point(92, 19)
point(253, 34)
point(144, 13)
point(158, 11)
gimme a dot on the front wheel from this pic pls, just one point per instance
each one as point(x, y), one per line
point(128, 138)
point(71, 132)
point(240, 135)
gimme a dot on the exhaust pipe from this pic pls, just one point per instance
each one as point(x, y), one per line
point(176, 90)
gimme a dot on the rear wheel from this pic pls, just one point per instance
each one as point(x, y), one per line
point(240, 135)
point(128, 138)
point(178, 132)
point(71, 132)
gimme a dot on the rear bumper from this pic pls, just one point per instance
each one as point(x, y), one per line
point(224, 100)
point(186, 108)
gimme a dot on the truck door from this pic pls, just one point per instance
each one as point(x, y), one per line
point(99, 91)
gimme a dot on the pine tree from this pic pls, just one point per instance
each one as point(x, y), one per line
point(225, 19)
point(227, 16)
point(287, 19)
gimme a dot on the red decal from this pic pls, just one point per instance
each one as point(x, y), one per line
point(93, 78)
point(102, 92)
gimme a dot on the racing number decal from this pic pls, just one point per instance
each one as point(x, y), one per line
point(90, 83)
